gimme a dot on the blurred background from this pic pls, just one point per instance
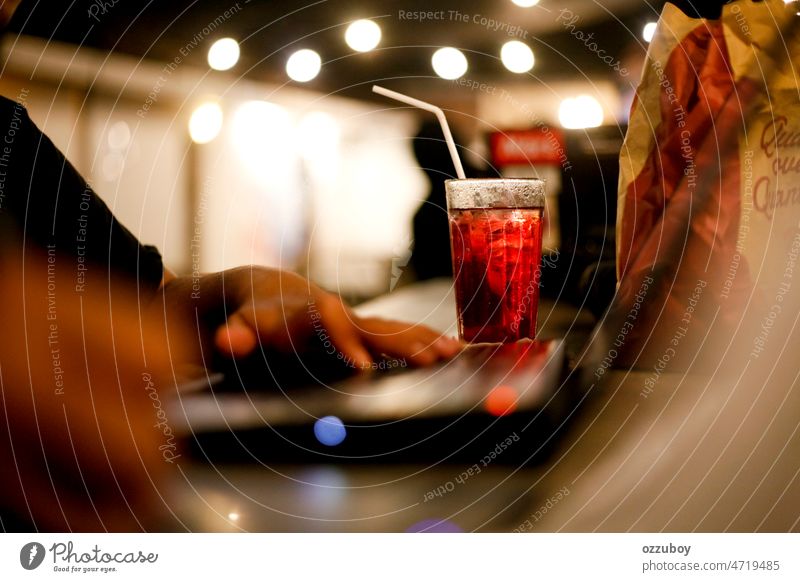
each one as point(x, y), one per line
point(228, 133)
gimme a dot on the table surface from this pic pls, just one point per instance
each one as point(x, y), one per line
point(688, 455)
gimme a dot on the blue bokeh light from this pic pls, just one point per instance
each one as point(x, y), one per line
point(434, 526)
point(330, 431)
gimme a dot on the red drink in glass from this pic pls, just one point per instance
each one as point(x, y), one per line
point(496, 258)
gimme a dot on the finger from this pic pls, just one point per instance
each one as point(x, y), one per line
point(237, 337)
point(418, 343)
point(273, 324)
point(339, 323)
point(442, 348)
point(448, 346)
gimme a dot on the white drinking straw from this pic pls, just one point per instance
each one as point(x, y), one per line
point(451, 145)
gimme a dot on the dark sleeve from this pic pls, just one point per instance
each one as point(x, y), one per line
point(55, 208)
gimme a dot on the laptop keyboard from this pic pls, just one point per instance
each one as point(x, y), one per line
point(529, 371)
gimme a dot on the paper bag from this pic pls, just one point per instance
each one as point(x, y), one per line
point(708, 223)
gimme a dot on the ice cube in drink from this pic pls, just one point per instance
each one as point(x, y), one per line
point(496, 257)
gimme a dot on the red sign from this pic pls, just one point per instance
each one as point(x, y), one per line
point(542, 145)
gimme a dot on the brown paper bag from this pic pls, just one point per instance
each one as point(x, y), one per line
point(709, 198)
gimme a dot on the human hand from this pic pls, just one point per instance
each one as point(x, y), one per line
point(282, 312)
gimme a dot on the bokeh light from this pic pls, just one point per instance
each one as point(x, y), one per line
point(649, 31)
point(517, 56)
point(223, 54)
point(113, 166)
point(580, 112)
point(304, 65)
point(205, 123)
point(330, 431)
point(449, 63)
point(256, 128)
point(363, 35)
point(434, 526)
point(525, 3)
point(119, 136)
point(501, 400)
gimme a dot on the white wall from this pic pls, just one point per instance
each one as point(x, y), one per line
point(327, 187)
point(142, 179)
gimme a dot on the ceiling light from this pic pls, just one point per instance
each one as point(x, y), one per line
point(363, 35)
point(303, 65)
point(580, 112)
point(449, 63)
point(223, 54)
point(649, 31)
point(517, 56)
point(205, 123)
point(525, 3)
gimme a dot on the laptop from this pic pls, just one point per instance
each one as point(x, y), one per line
point(485, 399)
